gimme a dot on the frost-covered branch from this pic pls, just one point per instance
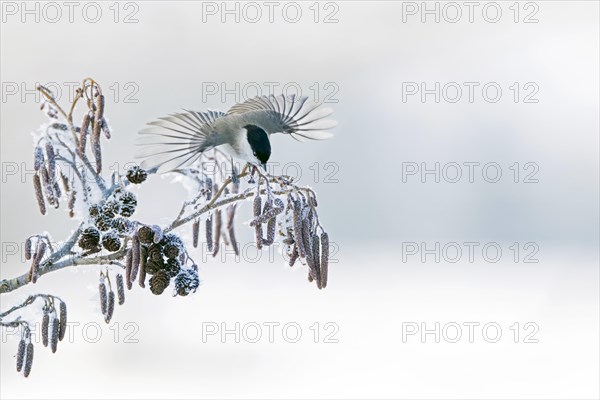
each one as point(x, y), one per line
point(68, 170)
point(54, 326)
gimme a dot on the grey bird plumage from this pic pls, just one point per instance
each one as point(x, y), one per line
point(179, 139)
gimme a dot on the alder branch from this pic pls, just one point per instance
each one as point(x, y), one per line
point(141, 252)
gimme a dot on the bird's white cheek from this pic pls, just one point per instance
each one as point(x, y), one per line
point(242, 152)
point(245, 150)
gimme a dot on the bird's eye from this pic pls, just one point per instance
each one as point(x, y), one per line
point(254, 153)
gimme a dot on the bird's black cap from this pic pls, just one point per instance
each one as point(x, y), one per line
point(259, 142)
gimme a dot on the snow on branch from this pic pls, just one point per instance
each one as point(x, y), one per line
point(69, 174)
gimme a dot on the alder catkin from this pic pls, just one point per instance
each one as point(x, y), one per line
point(195, 232)
point(20, 355)
point(209, 233)
point(28, 360)
point(257, 205)
point(103, 296)
point(317, 259)
point(37, 186)
point(106, 129)
point(128, 263)
point(65, 182)
point(38, 158)
point(37, 258)
point(41, 249)
point(62, 320)
point(268, 213)
point(97, 124)
point(72, 199)
point(110, 307)
point(48, 189)
point(298, 234)
point(271, 227)
point(97, 155)
point(143, 259)
point(34, 269)
point(324, 258)
point(257, 208)
point(307, 241)
point(120, 289)
point(55, 334)
point(99, 107)
point(51, 161)
point(209, 188)
point(28, 246)
point(279, 205)
point(218, 223)
point(57, 191)
point(83, 134)
point(45, 325)
point(294, 256)
point(135, 257)
point(96, 148)
point(231, 228)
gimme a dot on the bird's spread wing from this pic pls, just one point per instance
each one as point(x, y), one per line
point(297, 116)
point(177, 140)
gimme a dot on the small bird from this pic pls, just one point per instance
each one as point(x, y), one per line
point(179, 139)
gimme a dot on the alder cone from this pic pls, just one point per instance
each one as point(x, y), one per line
point(152, 267)
point(173, 267)
point(111, 208)
point(111, 241)
point(103, 222)
point(122, 225)
point(95, 210)
point(159, 282)
point(172, 245)
point(171, 250)
point(136, 175)
point(145, 234)
point(187, 281)
point(128, 203)
point(90, 238)
point(155, 253)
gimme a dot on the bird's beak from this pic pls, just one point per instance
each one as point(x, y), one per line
point(264, 166)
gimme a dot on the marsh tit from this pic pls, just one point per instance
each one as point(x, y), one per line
point(179, 139)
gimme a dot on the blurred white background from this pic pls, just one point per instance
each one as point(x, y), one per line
point(175, 55)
